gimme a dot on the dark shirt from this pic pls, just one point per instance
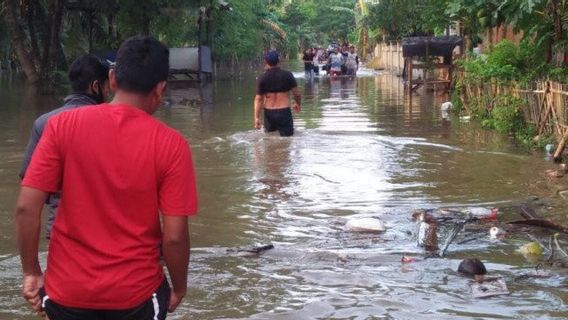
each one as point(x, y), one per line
point(309, 57)
point(275, 80)
point(71, 101)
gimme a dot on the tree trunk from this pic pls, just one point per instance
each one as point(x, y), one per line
point(112, 31)
point(558, 32)
point(31, 16)
point(18, 39)
point(548, 51)
point(51, 47)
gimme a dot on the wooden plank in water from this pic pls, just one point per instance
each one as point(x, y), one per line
point(488, 289)
point(543, 224)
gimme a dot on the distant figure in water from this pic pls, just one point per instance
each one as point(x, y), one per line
point(335, 62)
point(352, 61)
point(308, 59)
point(272, 95)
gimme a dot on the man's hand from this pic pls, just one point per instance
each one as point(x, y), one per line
point(257, 124)
point(175, 300)
point(175, 248)
point(30, 291)
point(28, 226)
point(297, 107)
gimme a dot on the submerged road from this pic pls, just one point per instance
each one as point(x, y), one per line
point(359, 151)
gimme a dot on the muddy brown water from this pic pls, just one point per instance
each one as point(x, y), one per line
point(359, 151)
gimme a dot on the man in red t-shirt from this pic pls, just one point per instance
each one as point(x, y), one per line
point(117, 168)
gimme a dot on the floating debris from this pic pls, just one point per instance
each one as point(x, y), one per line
point(446, 214)
point(365, 225)
point(251, 252)
point(472, 267)
point(484, 213)
point(554, 173)
point(533, 274)
point(497, 233)
point(453, 234)
point(563, 194)
point(532, 252)
point(542, 223)
point(446, 106)
point(407, 259)
point(531, 248)
point(427, 235)
point(490, 288)
point(549, 148)
point(557, 248)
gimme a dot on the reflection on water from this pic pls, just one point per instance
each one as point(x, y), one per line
point(360, 150)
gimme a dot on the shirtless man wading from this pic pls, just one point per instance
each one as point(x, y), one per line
point(272, 95)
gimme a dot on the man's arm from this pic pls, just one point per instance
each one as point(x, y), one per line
point(297, 99)
point(28, 225)
point(177, 199)
point(175, 249)
point(258, 104)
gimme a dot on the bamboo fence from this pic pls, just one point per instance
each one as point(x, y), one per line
point(544, 104)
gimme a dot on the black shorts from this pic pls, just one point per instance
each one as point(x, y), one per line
point(153, 308)
point(279, 119)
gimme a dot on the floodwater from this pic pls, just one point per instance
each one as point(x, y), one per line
point(360, 150)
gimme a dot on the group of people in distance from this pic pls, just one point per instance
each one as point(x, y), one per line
point(275, 85)
point(338, 60)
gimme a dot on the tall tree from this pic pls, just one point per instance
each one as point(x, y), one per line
point(35, 29)
point(394, 19)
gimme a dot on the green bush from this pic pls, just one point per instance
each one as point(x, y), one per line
point(504, 53)
point(507, 115)
point(559, 74)
point(506, 62)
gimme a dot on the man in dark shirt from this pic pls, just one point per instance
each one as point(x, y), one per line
point(308, 59)
point(88, 77)
point(272, 95)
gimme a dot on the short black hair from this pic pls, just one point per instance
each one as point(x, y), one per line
point(141, 63)
point(272, 58)
point(86, 69)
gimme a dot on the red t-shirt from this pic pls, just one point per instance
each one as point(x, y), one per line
point(117, 168)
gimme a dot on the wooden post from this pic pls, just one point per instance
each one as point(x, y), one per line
point(409, 74)
point(450, 76)
point(561, 145)
point(547, 106)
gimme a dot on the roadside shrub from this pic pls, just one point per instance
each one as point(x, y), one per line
point(499, 68)
point(504, 53)
point(506, 62)
point(559, 74)
point(507, 115)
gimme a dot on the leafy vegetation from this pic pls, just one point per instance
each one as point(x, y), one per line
point(394, 19)
point(506, 65)
point(243, 29)
point(236, 30)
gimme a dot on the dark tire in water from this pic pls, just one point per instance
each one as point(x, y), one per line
point(472, 267)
